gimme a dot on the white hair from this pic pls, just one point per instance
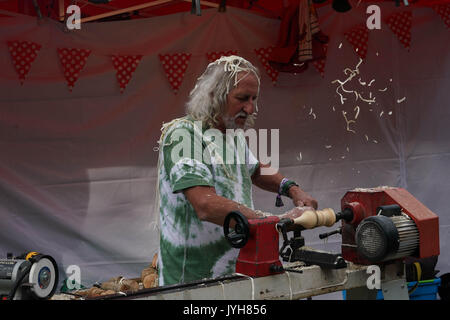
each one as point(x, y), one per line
point(208, 98)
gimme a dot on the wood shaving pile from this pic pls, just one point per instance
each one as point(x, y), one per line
point(120, 285)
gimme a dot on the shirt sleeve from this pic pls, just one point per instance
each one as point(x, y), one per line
point(183, 159)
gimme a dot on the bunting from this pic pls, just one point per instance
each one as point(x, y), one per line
point(125, 67)
point(400, 24)
point(23, 54)
point(319, 64)
point(175, 66)
point(444, 11)
point(214, 55)
point(73, 61)
point(358, 37)
point(263, 56)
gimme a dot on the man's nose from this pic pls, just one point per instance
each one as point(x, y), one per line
point(249, 107)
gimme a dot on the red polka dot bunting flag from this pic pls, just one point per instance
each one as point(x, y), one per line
point(175, 66)
point(23, 54)
point(444, 11)
point(263, 55)
point(400, 24)
point(358, 37)
point(73, 61)
point(125, 67)
point(214, 55)
point(320, 63)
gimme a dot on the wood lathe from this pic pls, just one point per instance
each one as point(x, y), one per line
point(380, 227)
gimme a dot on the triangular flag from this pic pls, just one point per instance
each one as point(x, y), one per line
point(23, 54)
point(320, 63)
point(175, 66)
point(400, 24)
point(214, 55)
point(73, 61)
point(125, 67)
point(263, 55)
point(358, 36)
point(444, 11)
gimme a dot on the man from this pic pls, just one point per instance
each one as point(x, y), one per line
point(200, 181)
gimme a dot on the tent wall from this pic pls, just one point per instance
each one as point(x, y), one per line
point(77, 169)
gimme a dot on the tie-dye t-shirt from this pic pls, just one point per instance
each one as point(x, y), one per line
point(191, 249)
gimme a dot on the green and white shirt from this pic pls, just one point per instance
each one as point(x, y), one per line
point(191, 249)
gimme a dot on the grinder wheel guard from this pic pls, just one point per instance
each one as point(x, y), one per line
point(241, 233)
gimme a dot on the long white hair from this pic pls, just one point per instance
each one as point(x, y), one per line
point(208, 98)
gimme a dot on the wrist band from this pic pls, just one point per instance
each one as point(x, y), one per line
point(285, 185)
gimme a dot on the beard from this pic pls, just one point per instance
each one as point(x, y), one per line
point(230, 122)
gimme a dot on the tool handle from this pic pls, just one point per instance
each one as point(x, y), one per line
point(327, 234)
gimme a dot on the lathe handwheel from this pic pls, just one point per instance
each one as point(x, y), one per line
point(239, 236)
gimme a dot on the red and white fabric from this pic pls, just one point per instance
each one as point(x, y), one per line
point(125, 67)
point(263, 56)
point(175, 66)
point(358, 37)
point(400, 24)
point(444, 11)
point(23, 54)
point(319, 64)
point(73, 61)
point(214, 55)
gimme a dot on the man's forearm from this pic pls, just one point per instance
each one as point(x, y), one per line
point(267, 182)
point(272, 183)
point(214, 208)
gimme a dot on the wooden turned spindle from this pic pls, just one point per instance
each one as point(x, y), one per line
point(316, 218)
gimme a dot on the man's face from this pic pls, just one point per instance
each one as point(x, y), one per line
point(241, 103)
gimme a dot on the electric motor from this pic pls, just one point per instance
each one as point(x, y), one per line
point(35, 276)
point(381, 238)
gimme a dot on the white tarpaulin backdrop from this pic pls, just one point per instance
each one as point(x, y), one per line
point(77, 169)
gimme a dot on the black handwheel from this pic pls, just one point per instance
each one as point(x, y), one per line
point(239, 236)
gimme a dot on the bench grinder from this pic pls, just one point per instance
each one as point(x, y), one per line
point(31, 276)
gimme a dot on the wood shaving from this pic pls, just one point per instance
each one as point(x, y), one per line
point(357, 112)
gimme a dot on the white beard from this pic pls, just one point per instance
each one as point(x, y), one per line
point(230, 122)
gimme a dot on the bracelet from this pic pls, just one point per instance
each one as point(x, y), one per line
point(285, 185)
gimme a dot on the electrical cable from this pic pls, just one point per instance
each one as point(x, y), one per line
point(13, 290)
point(251, 279)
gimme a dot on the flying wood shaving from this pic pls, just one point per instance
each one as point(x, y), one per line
point(348, 122)
point(369, 101)
point(401, 100)
point(357, 112)
point(367, 138)
point(340, 45)
point(390, 113)
point(328, 146)
point(299, 158)
point(370, 83)
point(351, 74)
point(381, 113)
point(382, 90)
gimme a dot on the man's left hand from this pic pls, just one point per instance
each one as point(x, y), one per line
point(301, 198)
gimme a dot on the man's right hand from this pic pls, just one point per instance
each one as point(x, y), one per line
point(295, 212)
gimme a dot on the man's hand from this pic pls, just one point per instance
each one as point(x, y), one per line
point(301, 198)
